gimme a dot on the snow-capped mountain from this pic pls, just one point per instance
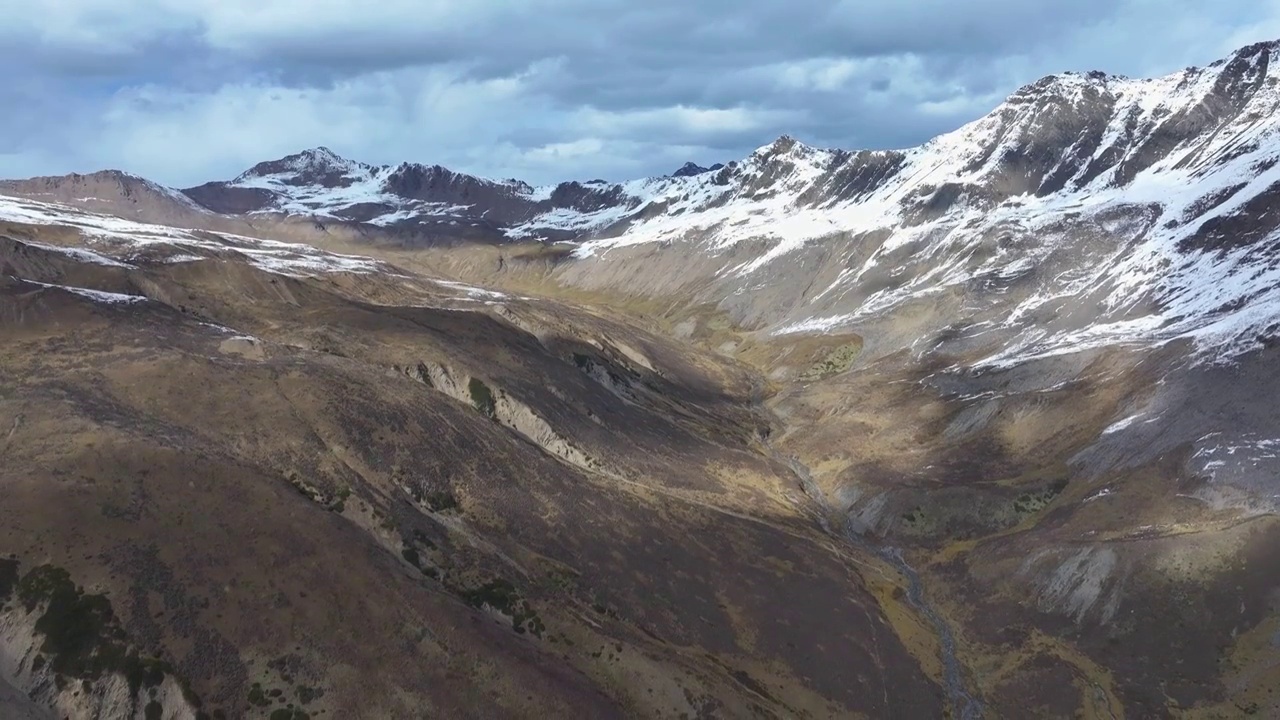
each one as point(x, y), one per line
point(1086, 209)
point(1145, 207)
point(409, 196)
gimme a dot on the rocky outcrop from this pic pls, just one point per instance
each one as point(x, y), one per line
point(502, 408)
point(64, 649)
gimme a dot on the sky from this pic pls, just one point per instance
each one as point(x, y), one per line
point(185, 91)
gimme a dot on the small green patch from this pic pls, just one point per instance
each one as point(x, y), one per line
point(411, 556)
point(308, 694)
point(144, 672)
point(502, 596)
point(440, 500)
point(836, 361)
point(301, 486)
point(289, 714)
point(338, 503)
point(257, 696)
point(482, 398)
point(1034, 502)
point(563, 579)
point(82, 638)
point(498, 594)
point(434, 500)
point(8, 577)
point(189, 695)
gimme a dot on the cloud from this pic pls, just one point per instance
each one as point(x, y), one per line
point(185, 91)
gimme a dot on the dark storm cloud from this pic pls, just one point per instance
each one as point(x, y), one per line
point(184, 91)
point(713, 34)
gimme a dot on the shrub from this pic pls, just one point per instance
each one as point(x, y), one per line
point(482, 398)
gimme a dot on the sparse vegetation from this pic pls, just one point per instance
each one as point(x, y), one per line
point(482, 398)
point(440, 500)
point(257, 696)
point(498, 594)
point(563, 579)
point(836, 361)
point(308, 694)
point(1032, 503)
point(8, 577)
point(339, 502)
point(82, 638)
point(433, 499)
point(502, 596)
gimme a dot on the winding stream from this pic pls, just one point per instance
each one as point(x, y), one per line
point(963, 704)
point(961, 701)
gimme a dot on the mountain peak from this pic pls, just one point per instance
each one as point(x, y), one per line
point(782, 145)
point(1258, 48)
point(319, 157)
point(690, 169)
point(314, 166)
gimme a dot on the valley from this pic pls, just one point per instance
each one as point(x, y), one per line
point(981, 428)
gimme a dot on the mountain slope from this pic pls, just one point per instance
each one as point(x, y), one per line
point(325, 483)
point(980, 427)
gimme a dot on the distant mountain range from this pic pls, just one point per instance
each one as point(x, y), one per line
point(1180, 171)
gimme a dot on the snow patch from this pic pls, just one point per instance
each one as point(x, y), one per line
point(96, 295)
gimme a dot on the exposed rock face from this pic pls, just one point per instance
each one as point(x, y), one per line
point(690, 169)
point(221, 198)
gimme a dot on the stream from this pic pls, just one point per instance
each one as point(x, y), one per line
point(963, 704)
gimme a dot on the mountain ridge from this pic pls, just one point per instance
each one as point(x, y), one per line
point(1188, 159)
point(408, 193)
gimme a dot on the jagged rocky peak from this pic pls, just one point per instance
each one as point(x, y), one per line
point(316, 166)
point(519, 185)
point(1269, 49)
point(690, 169)
point(415, 180)
point(785, 165)
point(789, 151)
point(587, 197)
point(784, 144)
point(438, 183)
